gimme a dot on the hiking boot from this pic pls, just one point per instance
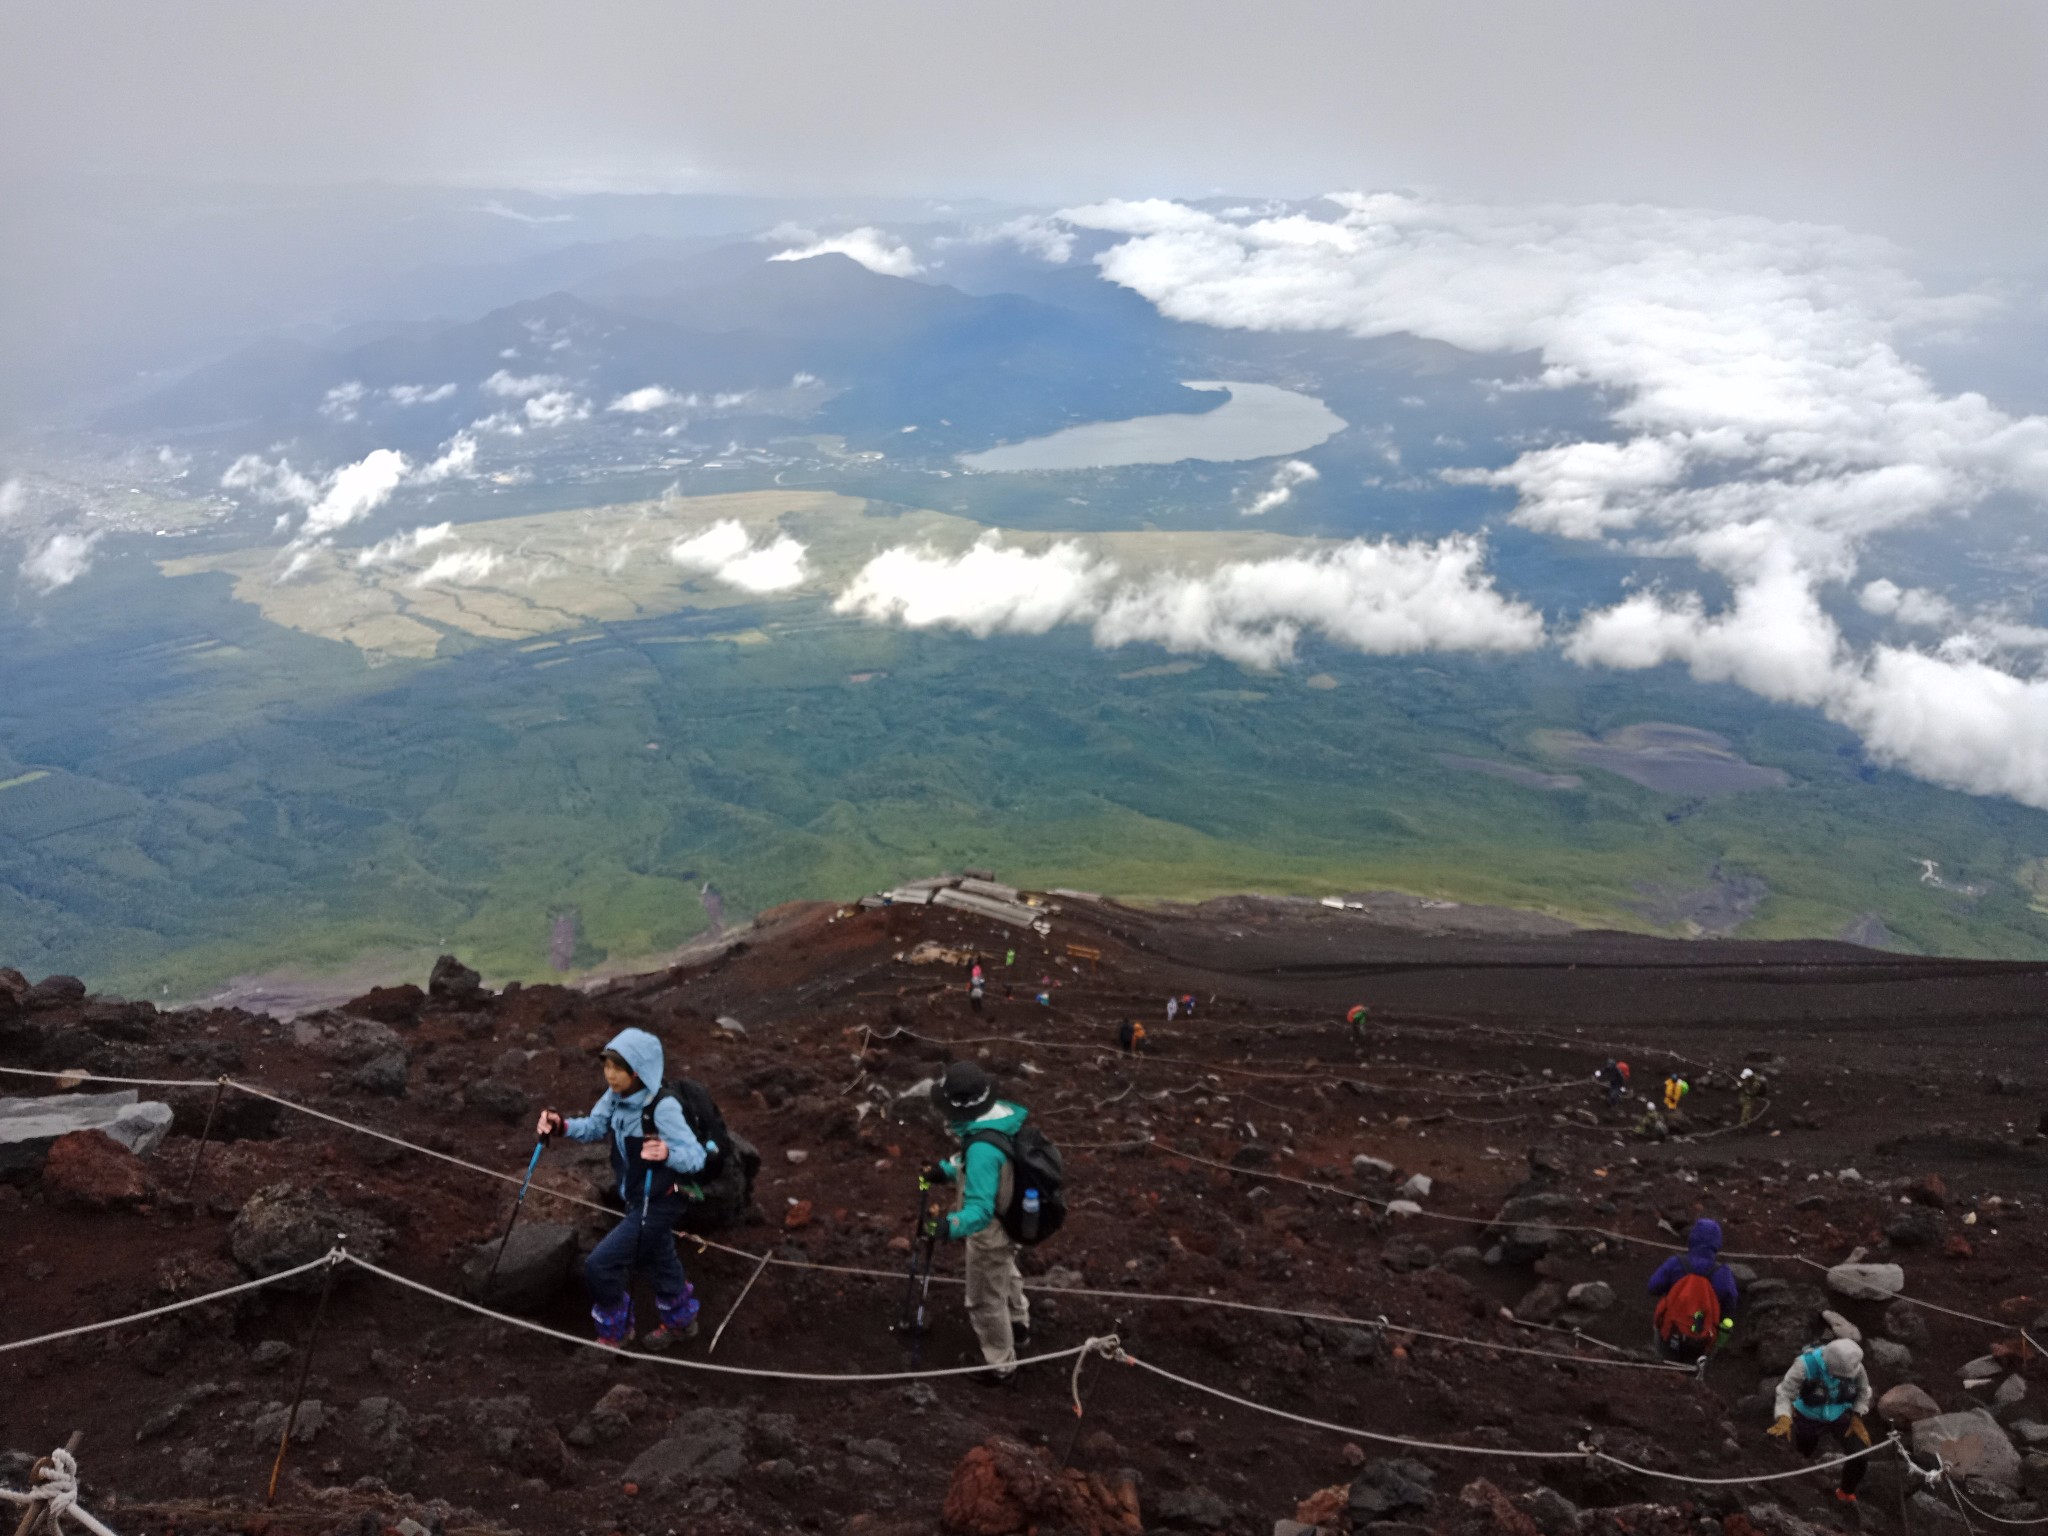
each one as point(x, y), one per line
point(1845, 1498)
point(659, 1339)
point(1020, 1337)
point(993, 1378)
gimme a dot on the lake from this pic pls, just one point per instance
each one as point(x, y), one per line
point(1258, 421)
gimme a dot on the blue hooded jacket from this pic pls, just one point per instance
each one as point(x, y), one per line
point(620, 1115)
point(1702, 1258)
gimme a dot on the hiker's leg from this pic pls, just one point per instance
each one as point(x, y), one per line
point(605, 1274)
point(1805, 1434)
point(674, 1298)
point(1852, 1472)
point(991, 1271)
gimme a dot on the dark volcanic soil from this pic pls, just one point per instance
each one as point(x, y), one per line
point(1476, 1074)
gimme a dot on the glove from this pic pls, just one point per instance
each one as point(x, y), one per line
point(1727, 1323)
point(550, 1124)
point(1858, 1430)
point(931, 1226)
point(929, 1172)
point(1782, 1430)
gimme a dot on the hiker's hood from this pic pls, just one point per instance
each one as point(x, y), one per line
point(1000, 1116)
point(642, 1052)
point(1842, 1357)
point(1704, 1242)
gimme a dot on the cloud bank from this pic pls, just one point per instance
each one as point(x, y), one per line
point(727, 553)
point(59, 560)
point(1767, 425)
point(1382, 598)
point(867, 245)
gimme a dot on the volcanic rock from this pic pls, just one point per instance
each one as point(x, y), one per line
point(384, 1074)
point(1970, 1444)
point(704, 1445)
point(341, 1037)
point(268, 1425)
point(499, 1099)
point(54, 992)
point(91, 1171)
point(1867, 1282)
point(453, 982)
point(1590, 1296)
point(1903, 1322)
point(1193, 1509)
point(283, 1226)
point(1386, 1487)
point(512, 1435)
point(1907, 1404)
point(389, 1005)
point(535, 1266)
point(1914, 1227)
point(1482, 1507)
point(1365, 1166)
point(28, 1127)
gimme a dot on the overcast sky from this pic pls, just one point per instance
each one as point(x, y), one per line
point(1925, 122)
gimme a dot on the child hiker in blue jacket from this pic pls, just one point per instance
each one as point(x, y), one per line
point(653, 1173)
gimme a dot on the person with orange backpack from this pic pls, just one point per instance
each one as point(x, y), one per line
point(1697, 1296)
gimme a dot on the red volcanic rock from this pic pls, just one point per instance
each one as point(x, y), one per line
point(389, 1005)
point(90, 1169)
point(1003, 1487)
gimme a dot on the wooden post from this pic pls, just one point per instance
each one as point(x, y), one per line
point(284, 1439)
point(199, 1151)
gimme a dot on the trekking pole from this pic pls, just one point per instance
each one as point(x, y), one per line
point(291, 1414)
point(517, 1206)
point(918, 1286)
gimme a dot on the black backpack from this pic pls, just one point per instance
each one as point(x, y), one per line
point(705, 1123)
point(1036, 1166)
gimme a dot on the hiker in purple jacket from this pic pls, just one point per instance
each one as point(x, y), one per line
point(1702, 1258)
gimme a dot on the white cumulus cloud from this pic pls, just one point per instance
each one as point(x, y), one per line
point(13, 497)
point(726, 552)
point(354, 492)
point(401, 546)
point(458, 567)
point(1290, 474)
point(59, 560)
point(1379, 597)
point(457, 459)
point(989, 588)
point(555, 407)
point(867, 245)
point(1766, 423)
point(512, 386)
point(419, 394)
point(649, 397)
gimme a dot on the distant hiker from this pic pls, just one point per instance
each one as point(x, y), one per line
point(976, 985)
point(1172, 1008)
point(1675, 1090)
point(1826, 1392)
point(1614, 1078)
point(1130, 1036)
point(1754, 1093)
point(654, 1173)
point(1355, 1020)
point(1697, 1295)
point(1187, 1005)
point(1653, 1126)
point(992, 1214)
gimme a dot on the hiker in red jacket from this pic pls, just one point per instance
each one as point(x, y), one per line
point(1697, 1295)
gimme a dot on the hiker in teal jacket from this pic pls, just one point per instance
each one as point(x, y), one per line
point(981, 1172)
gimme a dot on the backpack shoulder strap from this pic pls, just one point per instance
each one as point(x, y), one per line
point(661, 1091)
point(1002, 1141)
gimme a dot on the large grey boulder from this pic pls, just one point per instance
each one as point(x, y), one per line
point(1970, 1444)
point(1867, 1282)
point(705, 1445)
point(28, 1126)
point(536, 1263)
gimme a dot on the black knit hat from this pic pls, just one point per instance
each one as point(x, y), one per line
point(964, 1091)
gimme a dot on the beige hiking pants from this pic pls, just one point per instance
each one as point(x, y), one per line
point(995, 1291)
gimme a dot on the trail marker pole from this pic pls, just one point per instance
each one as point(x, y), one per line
point(199, 1151)
point(518, 1205)
point(284, 1439)
point(32, 1517)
